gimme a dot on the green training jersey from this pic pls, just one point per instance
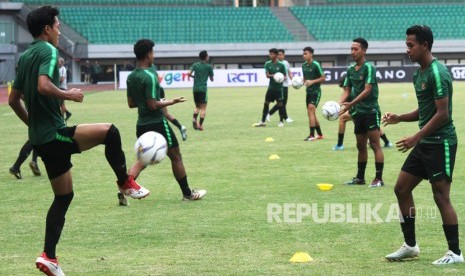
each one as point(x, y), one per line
point(312, 71)
point(202, 71)
point(273, 68)
point(356, 81)
point(434, 83)
point(142, 84)
point(40, 58)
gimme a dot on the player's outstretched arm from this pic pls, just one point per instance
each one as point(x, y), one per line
point(47, 88)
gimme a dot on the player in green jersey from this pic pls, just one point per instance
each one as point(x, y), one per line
point(434, 147)
point(143, 93)
point(37, 80)
point(275, 89)
point(365, 112)
point(313, 77)
point(201, 71)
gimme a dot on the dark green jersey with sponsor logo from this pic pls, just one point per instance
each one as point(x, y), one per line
point(430, 84)
point(312, 71)
point(356, 81)
point(273, 68)
point(40, 58)
point(142, 84)
point(202, 71)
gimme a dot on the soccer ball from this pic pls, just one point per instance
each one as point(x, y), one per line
point(278, 77)
point(330, 110)
point(297, 82)
point(151, 148)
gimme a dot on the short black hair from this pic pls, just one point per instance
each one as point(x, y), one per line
point(362, 42)
point(143, 47)
point(422, 33)
point(274, 51)
point(309, 49)
point(38, 18)
point(203, 55)
point(281, 51)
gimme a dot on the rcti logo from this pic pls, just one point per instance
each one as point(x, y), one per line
point(242, 77)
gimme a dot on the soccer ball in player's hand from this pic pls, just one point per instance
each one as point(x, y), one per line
point(278, 77)
point(297, 82)
point(330, 110)
point(151, 148)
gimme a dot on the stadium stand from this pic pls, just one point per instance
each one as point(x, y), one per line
point(344, 22)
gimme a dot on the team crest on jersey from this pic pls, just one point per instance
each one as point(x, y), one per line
point(361, 77)
point(423, 86)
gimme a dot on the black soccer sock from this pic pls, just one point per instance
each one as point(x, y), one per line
point(201, 120)
point(115, 155)
point(34, 156)
point(184, 186)
point(23, 154)
point(312, 131)
point(274, 109)
point(385, 139)
point(408, 228)
point(285, 112)
point(379, 170)
point(452, 236)
point(195, 116)
point(265, 111)
point(361, 169)
point(340, 139)
point(281, 113)
point(55, 222)
point(318, 130)
point(177, 124)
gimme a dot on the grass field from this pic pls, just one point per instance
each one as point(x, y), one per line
point(227, 233)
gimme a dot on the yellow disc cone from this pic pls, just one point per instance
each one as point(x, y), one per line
point(274, 157)
point(269, 139)
point(301, 257)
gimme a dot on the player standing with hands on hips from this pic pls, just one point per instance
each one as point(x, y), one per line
point(434, 147)
point(38, 79)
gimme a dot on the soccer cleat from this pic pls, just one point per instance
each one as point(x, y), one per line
point(35, 168)
point(355, 181)
point(310, 138)
point(388, 145)
point(268, 117)
point(184, 133)
point(194, 124)
point(49, 266)
point(320, 137)
point(199, 127)
point(404, 252)
point(195, 195)
point(123, 201)
point(336, 147)
point(376, 183)
point(289, 120)
point(132, 189)
point(259, 124)
point(280, 124)
point(449, 258)
point(16, 173)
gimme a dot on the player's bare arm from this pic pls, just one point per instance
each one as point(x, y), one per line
point(14, 101)
point(48, 89)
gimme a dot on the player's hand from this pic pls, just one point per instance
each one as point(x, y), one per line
point(344, 108)
point(76, 95)
point(406, 143)
point(308, 83)
point(179, 100)
point(390, 118)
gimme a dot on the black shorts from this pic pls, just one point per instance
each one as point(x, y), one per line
point(164, 129)
point(200, 97)
point(56, 154)
point(431, 161)
point(274, 95)
point(366, 122)
point(313, 98)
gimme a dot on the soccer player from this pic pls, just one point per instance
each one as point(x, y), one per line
point(361, 78)
point(63, 86)
point(275, 89)
point(313, 78)
point(344, 118)
point(143, 92)
point(434, 147)
point(23, 154)
point(201, 71)
point(281, 56)
point(38, 81)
